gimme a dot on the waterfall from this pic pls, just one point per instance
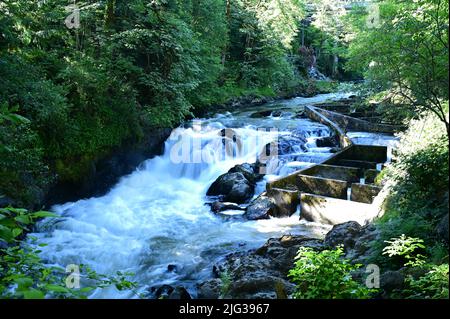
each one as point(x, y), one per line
point(156, 216)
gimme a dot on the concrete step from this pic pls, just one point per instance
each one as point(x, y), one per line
point(355, 163)
point(364, 193)
point(343, 173)
point(322, 186)
point(333, 211)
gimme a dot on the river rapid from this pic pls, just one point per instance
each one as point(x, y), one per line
point(155, 219)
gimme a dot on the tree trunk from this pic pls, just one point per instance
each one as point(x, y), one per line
point(228, 14)
point(109, 14)
point(335, 67)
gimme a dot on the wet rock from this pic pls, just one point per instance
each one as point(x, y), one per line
point(277, 113)
point(300, 115)
point(172, 268)
point(329, 141)
point(392, 280)
point(180, 293)
point(210, 289)
point(250, 172)
point(162, 292)
point(334, 149)
point(218, 207)
point(261, 208)
point(442, 229)
point(262, 273)
point(260, 114)
point(260, 287)
point(291, 144)
point(232, 187)
point(343, 234)
point(282, 251)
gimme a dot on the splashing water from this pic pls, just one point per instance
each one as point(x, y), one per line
point(156, 216)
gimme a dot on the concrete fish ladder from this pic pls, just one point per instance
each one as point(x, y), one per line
point(341, 188)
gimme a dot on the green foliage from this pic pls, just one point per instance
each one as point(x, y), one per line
point(434, 281)
point(14, 222)
point(226, 283)
point(433, 285)
point(24, 275)
point(406, 247)
point(326, 275)
point(406, 56)
point(418, 189)
point(131, 67)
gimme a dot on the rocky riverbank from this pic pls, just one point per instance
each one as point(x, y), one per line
point(262, 273)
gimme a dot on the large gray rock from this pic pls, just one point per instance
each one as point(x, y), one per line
point(250, 172)
point(392, 280)
point(210, 289)
point(328, 141)
point(260, 273)
point(343, 234)
point(261, 208)
point(232, 187)
point(180, 293)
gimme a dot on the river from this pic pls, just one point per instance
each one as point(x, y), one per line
point(156, 216)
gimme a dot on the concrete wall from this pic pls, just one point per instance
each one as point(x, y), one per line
point(348, 123)
point(343, 173)
point(367, 153)
point(313, 114)
point(364, 193)
point(334, 211)
point(322, 186)
point(286, 201)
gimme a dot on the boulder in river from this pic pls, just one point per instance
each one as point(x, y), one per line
point(232, 187)
point(250, 171)
point(238, 185)
point(328, 141)
point(170, 292)
point(261, 208)
point(218, 207)
point(180, 293)
point(210, 289)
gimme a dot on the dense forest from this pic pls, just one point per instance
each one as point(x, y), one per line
point(79, 81)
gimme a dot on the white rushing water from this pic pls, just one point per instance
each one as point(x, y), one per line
point(157, 215)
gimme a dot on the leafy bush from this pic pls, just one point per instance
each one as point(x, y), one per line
point(326, 275)
point(24, 275)
point(433, 285)
point(406, 247)
point(418, 185)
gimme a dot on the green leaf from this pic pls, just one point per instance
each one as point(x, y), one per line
point(23, 283)
point(24, 219)
point(42, 214)
point(56, 288)
point(16, 232)
point(33, 294)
